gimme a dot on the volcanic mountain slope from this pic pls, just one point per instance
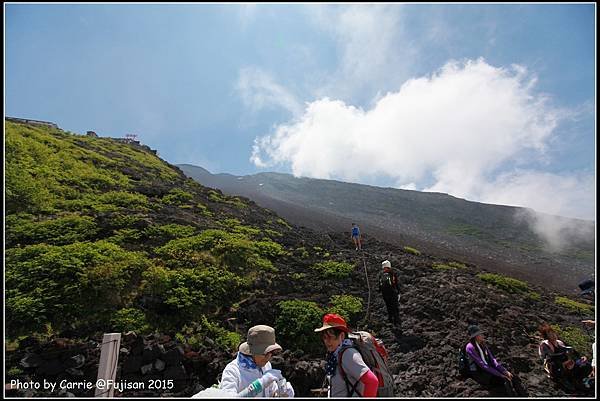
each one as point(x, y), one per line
point(103, 236)
point(439, 298)
point(498, 236)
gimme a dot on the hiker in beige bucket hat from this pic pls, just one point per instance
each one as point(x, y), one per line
point(260, 341)
point(250, 374)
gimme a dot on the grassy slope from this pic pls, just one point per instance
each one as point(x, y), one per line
point(102, 235)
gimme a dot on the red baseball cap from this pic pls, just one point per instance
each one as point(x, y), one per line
point(332, 320)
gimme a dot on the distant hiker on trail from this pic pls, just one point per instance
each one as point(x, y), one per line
point(356, 236)
point(485, 369)
point(389, 288)
point(349, 375)
point(561, 362)
point(250, 374)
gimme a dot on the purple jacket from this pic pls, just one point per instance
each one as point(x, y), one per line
point(493, 367)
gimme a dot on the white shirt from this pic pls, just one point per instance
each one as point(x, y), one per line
point(236, 378)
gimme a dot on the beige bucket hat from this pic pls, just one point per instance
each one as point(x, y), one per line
point(260, 341)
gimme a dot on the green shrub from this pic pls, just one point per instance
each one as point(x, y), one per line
point(534, 295)
point(448, 266)
point(235, 251)
point(130, 319)
point(121, 220)
point(237, 202)
point(284, 223)
point(574, 306)
point(506, 283)
point(347, 306)
point(229, 340)
point(575, 337)
point(24, 193)
point(296, 322)
point(58, 231)
point(215, 196)
point(235, 226)
point(412, 250)
point(298, 276)
point(457, 265)
point(123, 199)
point(272, 233)
point(302, 252)
point(183, 294)
point(194, 334)
point(204, 211)
point(81, 282)
point(125, 235)
point(169, 231)
point(14, 372)
point(331, 269)
point(177, 197)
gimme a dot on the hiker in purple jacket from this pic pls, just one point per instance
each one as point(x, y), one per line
point(485, 369)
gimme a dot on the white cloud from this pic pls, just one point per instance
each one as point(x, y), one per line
point(258, 90)
point(559, 233)
point(557, 194)
point(458, 127)
point(374, 50)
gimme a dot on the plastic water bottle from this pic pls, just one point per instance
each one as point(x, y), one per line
point(281, 388)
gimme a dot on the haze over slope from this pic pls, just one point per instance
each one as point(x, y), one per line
point(555, 250)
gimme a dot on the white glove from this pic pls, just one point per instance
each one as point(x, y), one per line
point(270, 376)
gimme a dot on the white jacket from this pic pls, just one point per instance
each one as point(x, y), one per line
point(237, 376)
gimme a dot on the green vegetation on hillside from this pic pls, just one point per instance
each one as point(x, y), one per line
point(297, 319)
point(509, 284)
point(332, 269)
point(574, 306)
point(105, 236)
point(448, 266)
point(575, 337)
point(412, 251)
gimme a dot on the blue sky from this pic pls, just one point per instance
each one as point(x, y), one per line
point(493, 103)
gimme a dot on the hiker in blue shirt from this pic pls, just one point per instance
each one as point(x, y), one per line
point(356, 236)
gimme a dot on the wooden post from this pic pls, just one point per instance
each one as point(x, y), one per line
point(107, 369)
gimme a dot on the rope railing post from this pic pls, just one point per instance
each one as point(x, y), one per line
point(107, 369)
point(366, 321)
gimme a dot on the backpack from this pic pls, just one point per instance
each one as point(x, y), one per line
point(463, 362)
point(375, 357)
point(387, 281)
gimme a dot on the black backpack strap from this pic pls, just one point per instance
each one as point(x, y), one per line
point(351, 389)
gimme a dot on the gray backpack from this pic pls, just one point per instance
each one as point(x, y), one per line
point(375, 356)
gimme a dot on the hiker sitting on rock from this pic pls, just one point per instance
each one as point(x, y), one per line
point(485, 369)
point(560, 361)
point(389, 288)
point(250, 374)
point(355, 379)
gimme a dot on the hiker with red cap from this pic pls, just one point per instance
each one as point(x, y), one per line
point(349, 375)
point(250, 374)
